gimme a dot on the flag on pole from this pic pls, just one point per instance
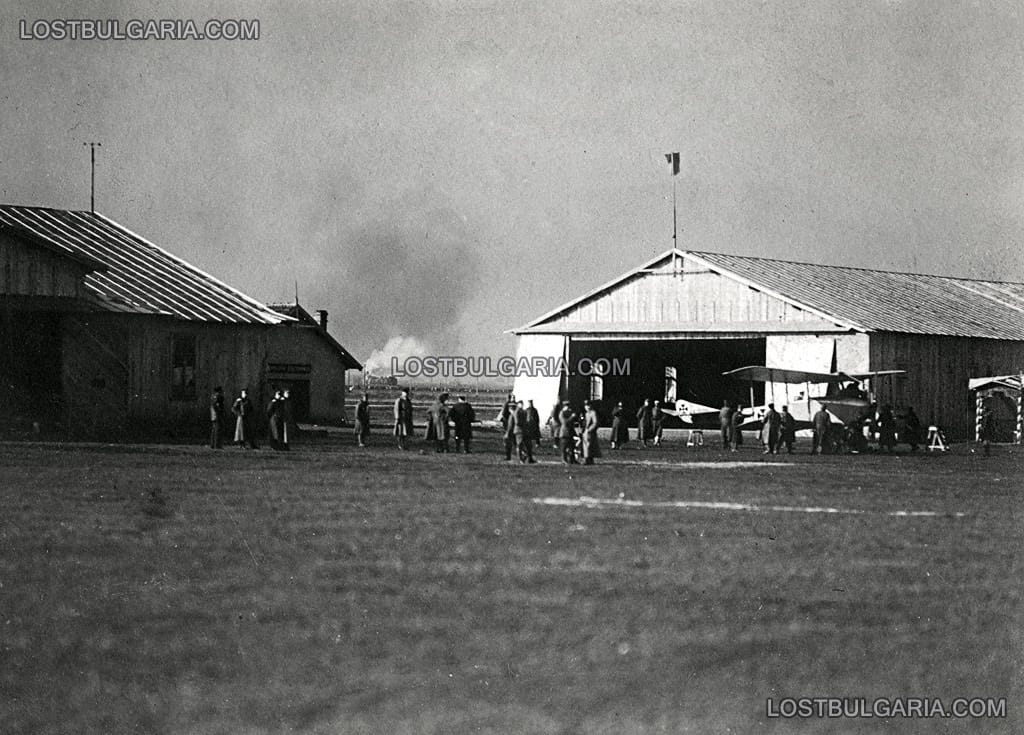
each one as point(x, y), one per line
point(673, 159)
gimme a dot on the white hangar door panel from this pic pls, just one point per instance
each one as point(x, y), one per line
point(541, 386)
point(796, 352)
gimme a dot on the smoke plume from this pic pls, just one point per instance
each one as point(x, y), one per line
point(405, 283)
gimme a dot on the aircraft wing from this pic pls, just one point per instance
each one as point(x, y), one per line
point(879, 373)
point(762, 374)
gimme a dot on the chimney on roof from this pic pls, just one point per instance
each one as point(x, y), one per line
point(322, 313)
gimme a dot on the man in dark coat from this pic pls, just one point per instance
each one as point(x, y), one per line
point(287, 419)
point(532, 424)
point(787, 429)
point(403, 419)
point(620, 430)
point(591, 422)
point(567, 432)
point(911, 429)
point(363, 420)
point(822, 427)
point(275, 420)
point(439, 423)
point(886, 430)
point(725, 424)
point(519, 431)
point(216, 417)
point(245, 413)
point(507, 408)
point(770, 427)
point(645, 422)
point(737, 431)
point(463, 416)
point(657, 421)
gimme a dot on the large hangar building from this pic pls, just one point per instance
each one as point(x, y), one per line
point(683, 318)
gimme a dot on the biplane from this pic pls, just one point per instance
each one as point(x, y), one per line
point(845, 399)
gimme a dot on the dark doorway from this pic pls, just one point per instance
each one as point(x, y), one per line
point(696, 369)
point(299, 394)
point(30, 368)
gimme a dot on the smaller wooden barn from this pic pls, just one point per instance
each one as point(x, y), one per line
point(104, 334)
point(303, 357)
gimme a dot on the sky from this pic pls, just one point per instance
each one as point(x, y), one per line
point(441, 172)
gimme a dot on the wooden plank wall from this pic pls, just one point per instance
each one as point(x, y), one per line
point(29, 270)
point(231, 356)
point(117, 373)
point(94, 376)
point(937, 372)
point(697, 296)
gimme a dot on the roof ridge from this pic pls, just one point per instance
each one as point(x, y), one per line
point(701, 253)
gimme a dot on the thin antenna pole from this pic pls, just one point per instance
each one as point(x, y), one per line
point(296, 291)
point(675, 219)
point(92, 185)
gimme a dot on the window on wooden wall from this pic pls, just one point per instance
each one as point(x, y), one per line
point(183, 368)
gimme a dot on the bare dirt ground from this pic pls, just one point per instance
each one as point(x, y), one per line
point(174, 589)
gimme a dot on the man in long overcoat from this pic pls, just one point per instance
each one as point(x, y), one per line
point(439, 423)
point(363, 420)
point(519, 427)
point(591, 422)
point(725, 423)
point(645, 422)
point(463, 416)
point(770, 429)
point(822, 427)
point(532, 424)
point(403, 419)
point(620, 430)
point(216, 417)
point(737, 431)
point(275, 419)
point(787, 429)
point(245, 414)
point(567, 432)
point(657, 421)
point(287, 419)
point(911, 433)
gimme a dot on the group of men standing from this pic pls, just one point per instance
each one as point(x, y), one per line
point(576, 433)
point(649, 420)
point(777, 430)
point(441, 420)
point(520, 427)
point(279, 419)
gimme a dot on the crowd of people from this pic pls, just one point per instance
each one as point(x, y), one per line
point(575, 434)
point(279, 420)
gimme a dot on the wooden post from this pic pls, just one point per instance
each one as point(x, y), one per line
point(979, 406)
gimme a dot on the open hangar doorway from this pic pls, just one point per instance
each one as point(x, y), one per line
point(689, 369)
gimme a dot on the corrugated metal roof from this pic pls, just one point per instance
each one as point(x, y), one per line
point(859, 298)
point(884, 301)
point(136, 276)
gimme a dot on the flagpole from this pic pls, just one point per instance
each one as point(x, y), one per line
point(673, 161)
point(675, 219)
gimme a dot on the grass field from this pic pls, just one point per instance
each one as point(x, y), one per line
point(173, 589)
